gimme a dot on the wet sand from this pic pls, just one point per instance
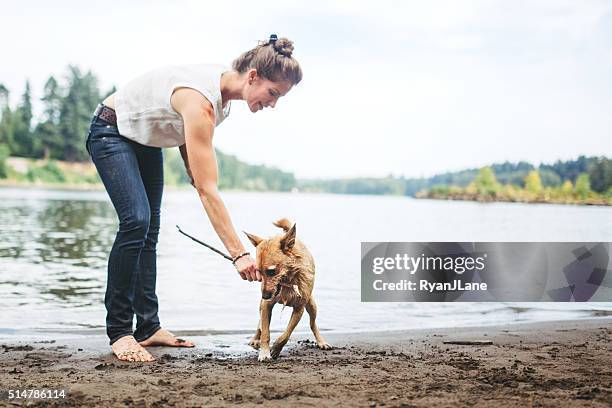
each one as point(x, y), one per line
point(554, 364)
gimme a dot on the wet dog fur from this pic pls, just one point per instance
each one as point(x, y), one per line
point(288, 273)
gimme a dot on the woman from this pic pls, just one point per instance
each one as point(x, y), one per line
point(168, 107)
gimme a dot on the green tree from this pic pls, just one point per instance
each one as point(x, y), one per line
point(75, 113)
point(569, 170)
point(234, 174)
point(583, 185)
point(26, 105)
point(511, 173)
point(4, 153)
point(600, 174)
point(6, 119)
point(549, 178)
point(567, 187)
point(533, 184)
point(25, 144)
point(7, 129)
point(49, 172)
point(485, 182)
point(174, 168)
point(48, 130)
point(4, 98)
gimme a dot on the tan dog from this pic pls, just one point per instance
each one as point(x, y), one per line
point(288, 273)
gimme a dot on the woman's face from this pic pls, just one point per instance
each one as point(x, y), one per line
point(262, 93)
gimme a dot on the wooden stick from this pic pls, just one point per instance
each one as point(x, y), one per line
point(469, 343)
point(205, 244)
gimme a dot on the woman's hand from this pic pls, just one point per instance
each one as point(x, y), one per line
point(247, 268)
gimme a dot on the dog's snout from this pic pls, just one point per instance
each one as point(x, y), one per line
point(266, 295)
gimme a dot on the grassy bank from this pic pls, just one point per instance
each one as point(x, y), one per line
point(233, 173)
point(486, 188)
point(23, 172)
point(49, 173)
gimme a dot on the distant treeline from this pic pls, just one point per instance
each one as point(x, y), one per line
point(598, 170)
point(486, 187)
point(233, 174)
point(60, 133)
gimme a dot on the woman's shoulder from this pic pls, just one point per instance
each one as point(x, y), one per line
point(198, 68)
point(182, 71)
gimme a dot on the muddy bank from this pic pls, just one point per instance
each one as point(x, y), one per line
point(540, 364)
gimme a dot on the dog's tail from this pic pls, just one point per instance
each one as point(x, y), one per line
point(284, 223)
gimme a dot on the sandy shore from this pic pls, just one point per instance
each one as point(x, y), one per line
point(554, 364)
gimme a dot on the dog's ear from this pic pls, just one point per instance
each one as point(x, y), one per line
point(288, 240)
point(255, 240)
point(283, 223)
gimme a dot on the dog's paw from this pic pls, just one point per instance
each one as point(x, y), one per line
point(276, 350)
point(264, 355)
point(324, 345)
point(254, 343)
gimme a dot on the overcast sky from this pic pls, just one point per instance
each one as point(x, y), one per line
point(404, 87)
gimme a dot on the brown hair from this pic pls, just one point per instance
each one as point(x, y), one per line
point(272, 60)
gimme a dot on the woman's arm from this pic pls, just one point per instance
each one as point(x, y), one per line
point(199, 121)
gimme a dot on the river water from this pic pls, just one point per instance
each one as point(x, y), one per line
point(54, 245)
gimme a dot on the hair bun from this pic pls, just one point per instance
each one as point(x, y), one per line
point(284, 46)
point(272, 60)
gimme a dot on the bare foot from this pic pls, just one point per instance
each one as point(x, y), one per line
point(163, 337)
point(128, 349)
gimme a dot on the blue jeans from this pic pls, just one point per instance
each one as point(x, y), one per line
point(133, 177)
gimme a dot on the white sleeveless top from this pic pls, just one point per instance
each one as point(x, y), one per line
point(144, 112)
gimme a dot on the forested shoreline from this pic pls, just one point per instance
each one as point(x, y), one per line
point(52, 145)
point(586, 180)
point(49, 150)
point(486, 187)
